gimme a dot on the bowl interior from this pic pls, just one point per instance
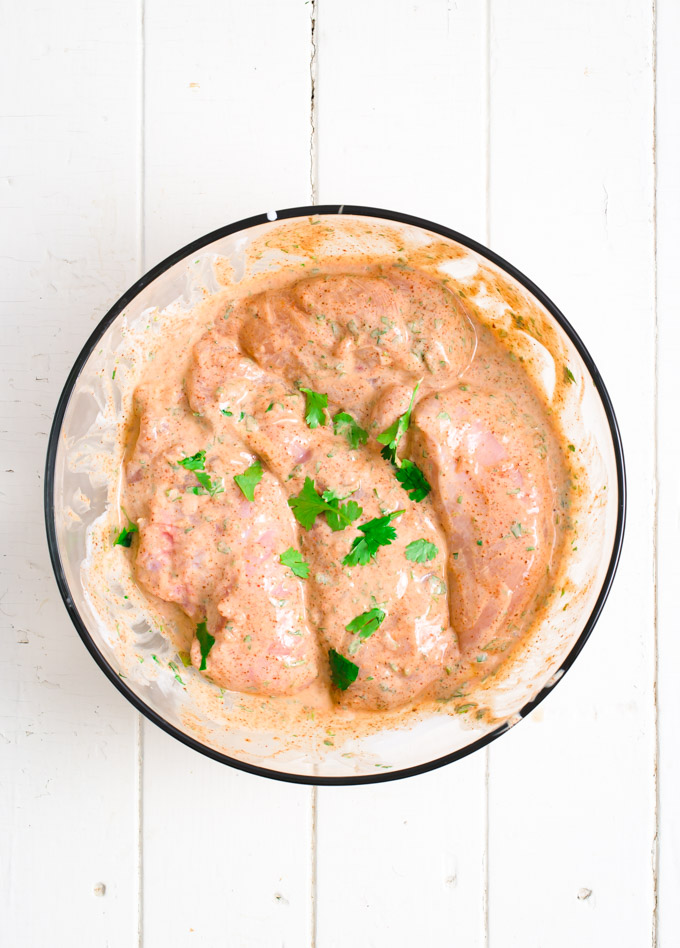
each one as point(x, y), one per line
point(83, 477)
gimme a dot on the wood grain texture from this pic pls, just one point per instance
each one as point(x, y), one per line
point(572, 793)
point(67, 738)
point(227, 858)
point(128, 129)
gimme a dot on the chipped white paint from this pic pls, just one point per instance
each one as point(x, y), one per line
point(136, 125)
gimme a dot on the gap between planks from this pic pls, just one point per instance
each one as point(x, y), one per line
point(655, 526)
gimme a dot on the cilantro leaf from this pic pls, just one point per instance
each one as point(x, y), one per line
point(225, 411)
point(308, 504)
point(343, 672)
point(367, 623)
point(338, 516)
point(248, 481)
point(124, 538)
point(316, 402)
point(194, 463)
point(377, 533)
point(204, 479)
point(293, 560)
point(205, 640)
point(344, 424)
point(391, 436)
point(420, 551)
point(412, 480)
point(569, 375)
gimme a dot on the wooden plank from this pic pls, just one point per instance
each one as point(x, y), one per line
point(403, 860)
point(67, 204)
point(227, 115)
point(401, 108)
point(668, 454)
point(571, 793)
point(401, 125)
point(227, 857)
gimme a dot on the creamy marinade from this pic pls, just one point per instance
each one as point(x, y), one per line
point(347, 488)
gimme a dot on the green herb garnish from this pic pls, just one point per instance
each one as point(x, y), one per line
point(343, 671)
point(225, 411)
point(378, 532)
point(207, 484)
point(316, 403)
point(568, 375)
point(205, 640)
point(420, 551)
point(194, 463)
point(308, 504)
point(337, 516)
point(293, 560)
point(367, 623)
point(393, 435)
point(516, 530)
point(344, 424)
point(124, 538)
point(412, 480)
point(185, 659)
point(248, 481)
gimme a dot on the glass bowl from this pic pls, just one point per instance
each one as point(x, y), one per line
point(78, 493)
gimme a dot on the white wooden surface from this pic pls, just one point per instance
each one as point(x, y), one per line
point(550, 131)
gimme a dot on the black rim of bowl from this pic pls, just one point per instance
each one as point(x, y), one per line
point(118, 308)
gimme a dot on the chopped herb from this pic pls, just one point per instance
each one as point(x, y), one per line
point(185, 659)
point(248, 481)
point(293, 560)
point(412, 480)
point(516, 530)
point(367, 623)
point(336, 516)
point(479, 542)
point(175, 671)
point(316, 403)
point(344, 424)
point(568, 375)
point(343, 671)
point(206, 482)
point(124, 538)
point(516, 490)
point(393, 435)
point(444, 416)
point(194, 463)
point(269, 407)
point(113, 374)
point(205, 640)
point(308, 504)
point(420, 551)
point(226, 412)
point(377, 532)
point(571, 447)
